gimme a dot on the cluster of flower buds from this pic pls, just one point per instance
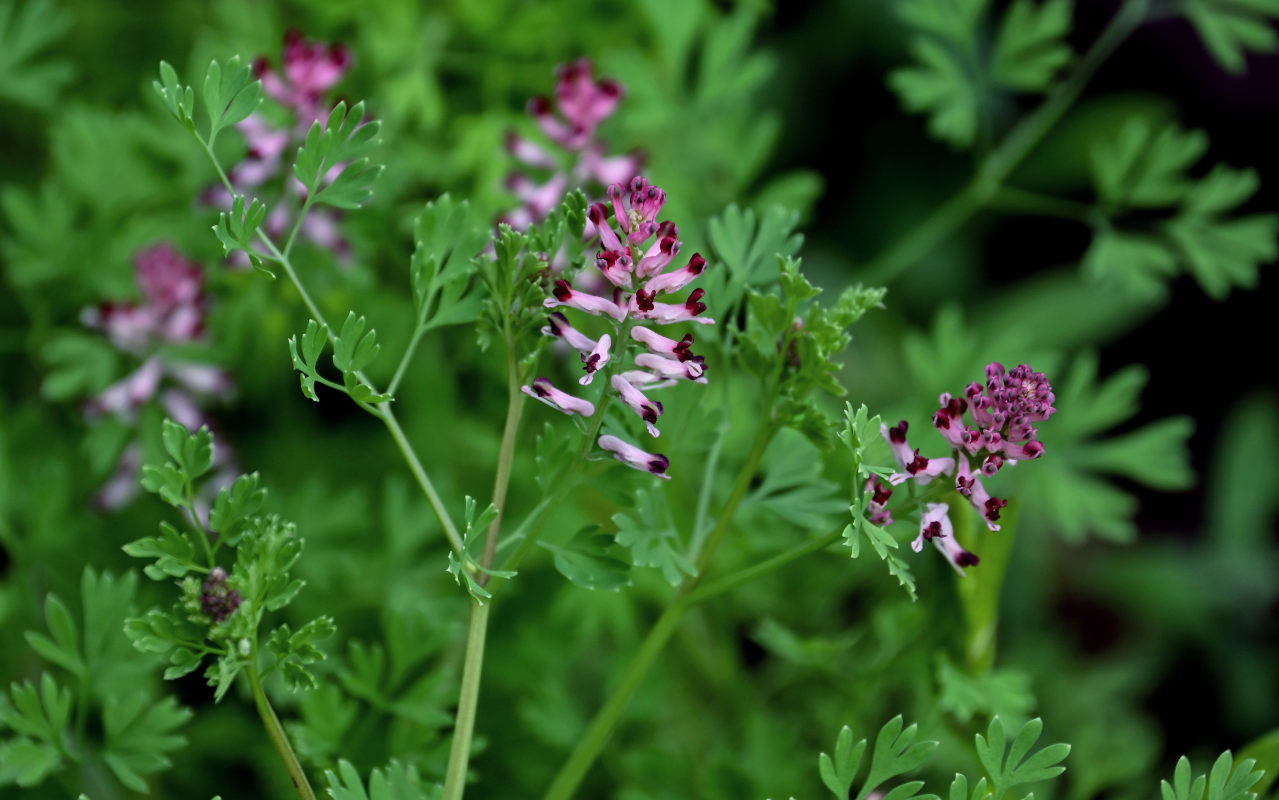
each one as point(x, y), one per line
point(582, 103)
point(217, 598)
point(636, 272)
point(172, 311)
point(1004, 411)
point(308, 71)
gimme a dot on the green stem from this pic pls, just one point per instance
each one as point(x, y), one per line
point(423, 480)
point(403, 367)
point(297, 225)
point(460, 751)
point(592, 741)
point(276, 732)
point(922, 239)
point(506, 455)
point(1021, 201)
point(730, 582)
point(601, 727)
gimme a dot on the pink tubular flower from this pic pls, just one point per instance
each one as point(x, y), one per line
point(648, 410)
point(596, 359)
point(632, 456)
point(935, 526)
point(619, 260)
point(877, 507)
point(543, 390)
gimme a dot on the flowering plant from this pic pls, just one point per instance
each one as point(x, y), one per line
point(701, 552)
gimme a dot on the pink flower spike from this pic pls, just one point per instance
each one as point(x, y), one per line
point(566, 296)
point(658, 256)
point(923, 469)
point(691, 370)
point(648, 410)
point(669, 313)
point(596, 359)
point(678, 279)
point(663, 346)
point(633, 457)
point(615, 266)
point(557, 325)
point(543, 390)
point(597, 215)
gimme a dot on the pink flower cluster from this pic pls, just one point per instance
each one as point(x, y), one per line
point(1004, 411)
point(636, 271)
point(308, 71)
point(581, 104)
point(172, 311)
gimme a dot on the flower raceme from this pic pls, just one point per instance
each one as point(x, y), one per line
point(1004, 411)
point(633, 258)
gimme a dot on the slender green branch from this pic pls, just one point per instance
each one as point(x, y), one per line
point(276, 731)
point(763, 435)
point(506, 454)
point(402, 368)
point(923, 238)
point(297, 225)
point(730, 582)
point(1024, 202)
point(423, 480)
point(460, 751)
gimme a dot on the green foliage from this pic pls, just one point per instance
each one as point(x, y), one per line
point(1003, 693)
point(139, 732)
point(192, 455)
point(1066, 491)
point(959, 75)
point(344, 140)
point(866, 447)
point(25, 30)
point(1226, 781)
point(746, 247)
point(1144, 168)
point(237, 230)
point(447, 241)
point(1016, 765)
point(294, 651)
point(792, 487)
point(396, 782)
point(589, 559)
point(179, 99)
point(354, 348)
point(896, 752)
point(1232, 28)
point(230, 95)
point(650, 534)
point(38, 718)
point(464, 566)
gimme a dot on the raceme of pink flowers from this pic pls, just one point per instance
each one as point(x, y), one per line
point(571, 124)
point(172, 310)
point(634, 253)
point(1004, 411)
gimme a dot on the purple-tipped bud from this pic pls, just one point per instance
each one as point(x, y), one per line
point(217, 598)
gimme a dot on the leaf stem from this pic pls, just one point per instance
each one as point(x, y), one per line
point(276, 732)
point(464, 728)
point(922, 239)
point(415, 466)
point(732, 581)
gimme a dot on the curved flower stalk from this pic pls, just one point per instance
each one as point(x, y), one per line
point(1004, 411)
point(632, 258)
point(308, 71)
point(581, 104)
point(172, 310)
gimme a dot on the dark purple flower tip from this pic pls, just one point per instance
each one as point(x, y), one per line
point(1033, 450)
point(957, 406)
point(897, 433)
point(539, 106)
point(942, 419)
point(217, 598)
point(339, 55)
point(694, 302)
point(932, 531)
point(597, 213)
point(993, 505)
point(611, 87)
point(541, 386)
point(668, 228)
point(964, 485)
point(261, 66)
point(882, 493)
point(696, 265)
point(563, 290)
point(918, 464)
point(644, 300)
point(684, 350)
point(638, 184)
point(614, 191)
point(557, 322)
point(966, 559)
point(658, 464)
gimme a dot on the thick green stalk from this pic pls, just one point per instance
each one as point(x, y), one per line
point(923, 238)
point(464, 727)
point(276, 732)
